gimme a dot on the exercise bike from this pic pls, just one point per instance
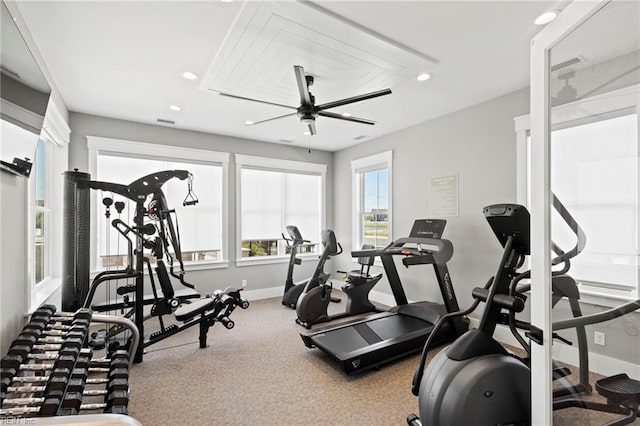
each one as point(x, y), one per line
point(292, 290)
point(476, 378)
point(314, 300)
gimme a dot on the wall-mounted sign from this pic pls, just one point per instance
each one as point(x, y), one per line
point(444, 196)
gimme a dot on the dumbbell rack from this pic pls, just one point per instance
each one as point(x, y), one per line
point(50, 371)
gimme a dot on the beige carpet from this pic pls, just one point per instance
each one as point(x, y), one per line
point(260, 373)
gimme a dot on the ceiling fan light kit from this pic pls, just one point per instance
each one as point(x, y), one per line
point(308, 111)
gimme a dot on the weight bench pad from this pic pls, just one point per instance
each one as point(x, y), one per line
point(198, 307)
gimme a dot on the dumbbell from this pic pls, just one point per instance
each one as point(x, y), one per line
point(64, 384)
point(21, 352)
point(70, 403)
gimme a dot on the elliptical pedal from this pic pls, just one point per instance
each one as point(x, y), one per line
point(620, 389)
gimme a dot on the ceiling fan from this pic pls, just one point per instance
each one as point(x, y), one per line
point(308, 110)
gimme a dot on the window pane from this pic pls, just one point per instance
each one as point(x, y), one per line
point(40, 166)
point(262, 204)
point(599, 185)
point(375, 220)
point(40, 249)
point(200, 226)
point(303, 204)
point(270, 201)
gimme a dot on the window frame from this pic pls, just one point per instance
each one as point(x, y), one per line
point(283, 166)
point(98, 145)
point(616, 103)
point(55, 135)
point(358, 168)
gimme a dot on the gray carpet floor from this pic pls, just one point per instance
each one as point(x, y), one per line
point(260, 372)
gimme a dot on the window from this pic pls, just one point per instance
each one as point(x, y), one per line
point(41, 211)
point(273, 194)
point(201, 227)
point(372, 199)
point(45, 208)
point(594, 173)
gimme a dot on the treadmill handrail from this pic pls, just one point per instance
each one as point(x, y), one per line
point(443, 252)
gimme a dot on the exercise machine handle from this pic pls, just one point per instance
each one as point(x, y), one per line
point(513, 304)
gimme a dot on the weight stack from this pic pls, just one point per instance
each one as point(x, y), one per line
point(75, 239)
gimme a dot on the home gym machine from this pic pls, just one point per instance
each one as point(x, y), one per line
point(477, 378)
point(292, 289)
point(153, 229)
point(314, 300)
point(380, 338)
point(49, 370)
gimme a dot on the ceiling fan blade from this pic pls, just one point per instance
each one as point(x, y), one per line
point(255, 100)
point(271, 119)
point(312, 127)
point(301, 79)
point(353, 99)
point(348, 118)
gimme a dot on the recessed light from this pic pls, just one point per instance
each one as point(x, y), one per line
point(174, 108)
point(190, 75)
point(226, 1)
point(423, 77)
point(546, 17)
point(346, 114)
point(249, 123)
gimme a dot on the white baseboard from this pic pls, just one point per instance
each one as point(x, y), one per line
point(266, 293)
point(263, 293)
point(598, 363)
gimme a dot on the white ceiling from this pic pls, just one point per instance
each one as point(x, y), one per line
point(124, 60)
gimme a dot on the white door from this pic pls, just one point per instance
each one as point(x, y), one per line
point(585, 83)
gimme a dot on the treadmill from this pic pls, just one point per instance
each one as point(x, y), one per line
point(377, 339)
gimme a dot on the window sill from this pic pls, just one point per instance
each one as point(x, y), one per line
point(44, 291)
point(592, 296)
point(266, 260)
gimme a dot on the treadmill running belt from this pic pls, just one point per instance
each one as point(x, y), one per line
point(367, 333)
point(380, 332)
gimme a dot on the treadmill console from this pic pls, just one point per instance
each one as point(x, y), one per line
point(428, 228)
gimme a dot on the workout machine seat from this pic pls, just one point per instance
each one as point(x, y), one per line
point(198, 307)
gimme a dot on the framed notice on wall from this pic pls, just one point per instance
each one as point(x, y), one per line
point(444, 196)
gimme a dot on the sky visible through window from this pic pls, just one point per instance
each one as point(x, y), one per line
point(376, 195)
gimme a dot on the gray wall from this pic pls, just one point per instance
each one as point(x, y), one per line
point(478, 144)
point(257, 277)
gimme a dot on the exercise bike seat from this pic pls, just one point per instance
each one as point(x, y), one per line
point(360, 276)
point(186, 312)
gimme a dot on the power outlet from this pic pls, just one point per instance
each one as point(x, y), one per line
point(244, 284)
point(599, 338)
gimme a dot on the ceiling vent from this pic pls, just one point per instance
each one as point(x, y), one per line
point(569, 62)
point(165, 121)
point(359, 138)
point(286, 140)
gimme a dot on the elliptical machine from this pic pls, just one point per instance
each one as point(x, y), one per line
point(292, 290)
point(314, 300)
point(476, 378)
